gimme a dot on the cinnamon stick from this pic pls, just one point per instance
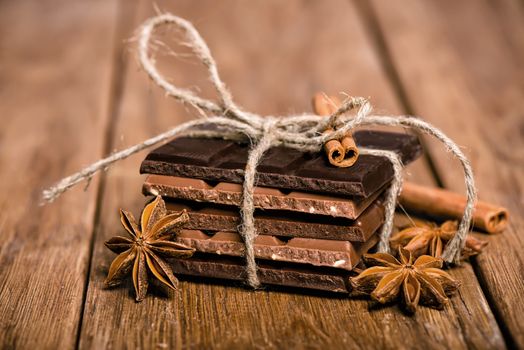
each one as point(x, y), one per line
point(442, 204)
point(341, 153)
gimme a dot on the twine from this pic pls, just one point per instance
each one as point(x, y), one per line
point(301, 132)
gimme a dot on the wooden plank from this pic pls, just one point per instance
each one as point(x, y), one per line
point(55, 80)
point(464, 73)
point(324, 47)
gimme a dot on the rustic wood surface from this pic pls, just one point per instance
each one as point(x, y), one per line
point(71, 90)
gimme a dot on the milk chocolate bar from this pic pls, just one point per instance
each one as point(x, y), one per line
point(264, 197)
point(281, 167)
point(289, 275)
point(318, 252)
point(224, 218)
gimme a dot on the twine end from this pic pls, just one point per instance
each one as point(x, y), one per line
point(452, 253)
point(48, 196)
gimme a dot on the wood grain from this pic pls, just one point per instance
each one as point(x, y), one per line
point(467, 79)
point(310, 53)
point(54, 96)
point(70, 90)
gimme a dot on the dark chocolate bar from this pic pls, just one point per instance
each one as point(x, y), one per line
point(317, 252)
point(284, 168)
point(289, 275)
point(225, 218)
point(263, 197)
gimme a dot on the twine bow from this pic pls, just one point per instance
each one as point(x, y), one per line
point(302, 132)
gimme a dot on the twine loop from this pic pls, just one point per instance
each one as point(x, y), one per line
point(302, 132)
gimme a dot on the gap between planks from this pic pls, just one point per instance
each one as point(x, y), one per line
point(372, 26)
point(124, 18)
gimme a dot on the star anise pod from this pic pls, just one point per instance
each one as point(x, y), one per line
point(421, 281)
point(430, 239)
point(147, 244)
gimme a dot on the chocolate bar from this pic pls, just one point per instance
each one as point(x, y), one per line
point(318, 252)
point(264, 197)
point(225, 218)
point(290, 275)
point(224, 161)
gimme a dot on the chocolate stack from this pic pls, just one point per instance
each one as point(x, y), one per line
point(314, 220)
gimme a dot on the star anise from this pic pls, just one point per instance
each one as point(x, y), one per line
point(143, 250)
point(421, 281)
point(428, 238)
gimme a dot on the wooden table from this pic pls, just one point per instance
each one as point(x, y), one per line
point(71, 91)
